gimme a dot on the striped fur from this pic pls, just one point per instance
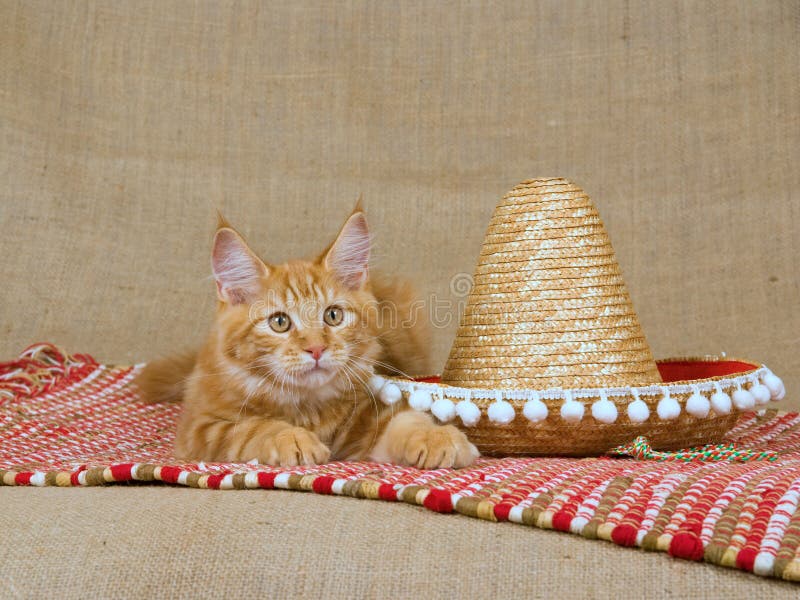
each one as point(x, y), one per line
point(253, 392)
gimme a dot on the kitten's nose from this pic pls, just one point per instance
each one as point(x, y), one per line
point(316, 351)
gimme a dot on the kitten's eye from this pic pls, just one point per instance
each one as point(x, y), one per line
point(280, 322)
point(334, 316)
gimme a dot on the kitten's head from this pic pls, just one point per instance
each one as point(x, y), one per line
point(300, 325)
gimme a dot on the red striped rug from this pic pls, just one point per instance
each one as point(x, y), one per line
point(69, 421)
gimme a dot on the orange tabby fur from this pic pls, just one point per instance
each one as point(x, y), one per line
point(251, 392)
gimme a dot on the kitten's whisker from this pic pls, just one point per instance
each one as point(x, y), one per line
point(355, 395)
point(374, 404)
point(247, 398)
point(386, 366)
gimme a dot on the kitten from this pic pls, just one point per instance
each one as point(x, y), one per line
point(283, 375)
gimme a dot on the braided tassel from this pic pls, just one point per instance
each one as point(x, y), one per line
point(640, 449)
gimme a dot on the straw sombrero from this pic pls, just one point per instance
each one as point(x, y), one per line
point(550, 357)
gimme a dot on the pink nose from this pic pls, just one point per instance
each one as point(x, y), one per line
point(316, 351)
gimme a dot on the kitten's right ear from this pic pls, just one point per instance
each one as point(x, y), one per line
point(237, 270)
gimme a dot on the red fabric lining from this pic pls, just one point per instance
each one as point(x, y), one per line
point(690, 370)
point(680, 370)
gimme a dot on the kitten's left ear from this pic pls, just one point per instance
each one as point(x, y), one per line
point(348, 257)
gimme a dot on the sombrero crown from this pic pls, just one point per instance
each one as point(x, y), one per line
point(550, 358)
point(548, 307)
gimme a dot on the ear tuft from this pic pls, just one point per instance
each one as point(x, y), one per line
point(359, 207)
point(237, 270)
point(222, 221)
point(348, 257)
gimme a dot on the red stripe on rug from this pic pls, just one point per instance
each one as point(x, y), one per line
point(502, 510)
point(439, 501)
point(123, 472)
point(387, 492)
point(323, 485)
point(23, 478)
point(266, 480)
point(170, 474)
point(74, 477)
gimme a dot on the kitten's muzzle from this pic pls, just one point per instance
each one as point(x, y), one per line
point(316, 352)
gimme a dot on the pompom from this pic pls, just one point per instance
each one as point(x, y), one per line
point(604, 411)
point(698, 405)
point(390, 394)
point(572, 410)
point(375, 384)
point(501, 412)
point(761, 394)
point(721, 402)
point(420, 400)
point(743, 400)
point(469, 412)
point(444, 410)
point(535, 410)
point(774, 385)
point(781, 394)
point(668, 408)
point(638, 412)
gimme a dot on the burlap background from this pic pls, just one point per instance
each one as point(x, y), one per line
point(122, 126)
point(295, 545)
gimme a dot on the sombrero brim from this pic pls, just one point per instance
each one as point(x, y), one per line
point(698, 402)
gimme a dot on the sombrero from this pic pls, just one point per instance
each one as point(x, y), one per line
point(550, 358)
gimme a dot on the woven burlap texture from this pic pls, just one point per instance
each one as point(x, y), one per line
point(123, 125)
point(548, 306)
point(143, 542)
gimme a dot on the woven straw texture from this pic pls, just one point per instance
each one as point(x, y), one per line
point(549, 309)
point(68, 421)
point(548, 306)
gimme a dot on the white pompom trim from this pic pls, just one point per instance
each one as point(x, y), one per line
point(638, 411)
point(390, 394)
point(720, 401)
point(500, 411)
point(668, 408)
point(604, 410)
point(420, 400)
point(535, 410)
point(761, 394)
point(713, 394)
point(743, 400)
point(375, 383)
point(469, 412)
point(571, 411)
point(444, 410)
point(775, 385)
point(698, 405)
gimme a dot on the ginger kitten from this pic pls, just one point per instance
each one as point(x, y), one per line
point(283, 375)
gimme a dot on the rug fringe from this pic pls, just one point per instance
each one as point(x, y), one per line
point(38, 368)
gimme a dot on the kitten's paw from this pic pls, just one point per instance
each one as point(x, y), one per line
point(439, 447)
point(294, 446)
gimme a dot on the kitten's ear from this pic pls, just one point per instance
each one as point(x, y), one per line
point(348, 257)
point(237, 270)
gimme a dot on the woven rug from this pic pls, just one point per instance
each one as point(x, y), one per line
point(69, 421)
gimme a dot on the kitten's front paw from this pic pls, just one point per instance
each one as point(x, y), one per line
point(439, 447)
point(294, 446)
